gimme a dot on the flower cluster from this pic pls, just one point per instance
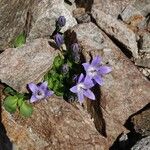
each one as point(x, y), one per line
point(94, 73)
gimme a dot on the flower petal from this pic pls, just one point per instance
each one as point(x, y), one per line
point(96, 61)
point(33, 87)
point(88, 93)
point(44, 85)
point(86, 66)
point(33, 99)
point(49, 93)
point(73, 89)
point(88, 82)
point(81, 77)
point(98, 80)
point(80, 97)
point(104, 69)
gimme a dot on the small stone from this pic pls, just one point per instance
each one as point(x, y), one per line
point(143, 144)
point(29, 63)
point(141, 123)
point(143, 62)
point(81, 15)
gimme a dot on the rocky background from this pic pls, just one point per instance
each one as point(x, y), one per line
point(117, 30)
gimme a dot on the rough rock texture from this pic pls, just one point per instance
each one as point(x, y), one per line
point(54, 125)
point(132, 16)
point(44, 16)
point(112, 7)
point(12, 19)
point(143, 62)
point(125, 89)
point(20, 66)
point(141, 123)
point(143, 144)
point(116, 30)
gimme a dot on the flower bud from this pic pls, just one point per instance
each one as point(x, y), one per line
point(65, 68)
point(75, 47)
point(61, 21)
point(59, 39)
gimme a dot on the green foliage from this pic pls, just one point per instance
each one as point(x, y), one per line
point(26, 110)
point(10, 103)
point(20, 40)
point(15, 101)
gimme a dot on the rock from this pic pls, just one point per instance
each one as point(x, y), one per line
point(145, 44)
point(143, 6)
point(131, 16)
point(12, 20)
point(20, 66)
point(146, 72)
point(125, 89)
point(141, 123)
point(44, 16)
point(55, 124)
point(143, 62)
point(116, 30)
point(143, 144)
point(81, 15)
point(112, 7)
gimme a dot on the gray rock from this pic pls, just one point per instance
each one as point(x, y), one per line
point(125, 89)
point(20, 66)
point(112, 7)
point(44, 16)
point(145, 45)
point(12, 20)
point(141, 122)
point(143, 62)
point(116, 30)
point(132, 16)
point(81, 15)
point(143, 144)
point(143, 6)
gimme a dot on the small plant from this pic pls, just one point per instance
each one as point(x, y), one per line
point(68, 77)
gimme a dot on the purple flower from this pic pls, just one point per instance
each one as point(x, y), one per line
point(75, 52)
point(83, 88)
point(61, 21)
point(95, 70)
point(39, 91)
point(59, 39)
point(75, 47)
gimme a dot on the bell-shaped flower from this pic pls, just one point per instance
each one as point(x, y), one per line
point(82, 89)
point(39, 91)
point(95, 70)
point(61, 21)
point(59, 39)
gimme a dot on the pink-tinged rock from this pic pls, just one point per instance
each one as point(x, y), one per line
point(116, 30)
point(55, 124)
point(29, 63)
point(125, 90)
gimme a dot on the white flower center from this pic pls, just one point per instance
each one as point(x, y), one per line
point(81, 86)
point(91, 71)
point(40, 94)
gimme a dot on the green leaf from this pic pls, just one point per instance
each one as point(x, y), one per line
point(20, 40)
point(50, 83)
point(69, 63)
point(10, 103)
point(58, 61)
point(20, 102)
point(26, 110)
point(10, 91)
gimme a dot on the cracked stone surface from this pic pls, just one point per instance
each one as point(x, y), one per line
point(125, 89)
point(29, 63)
point(116, 30)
